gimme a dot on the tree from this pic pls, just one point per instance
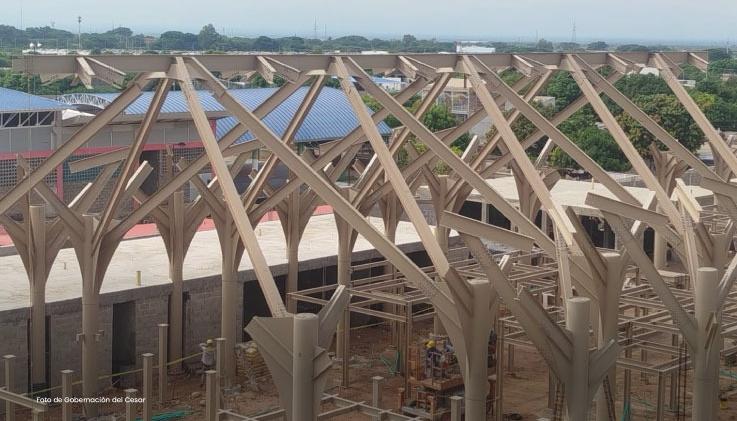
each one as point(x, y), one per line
point(265, 44)
point(569, 46)
point(634, 47)
point(724, 66)
point(668, 112)
point(564, 88)
point(598, 46)
point(437, 118)
point(374, 106)
point(599, 145)
point(257, 81)
point(121, 31)
point(175, 40)
point(408, 40)
point(636, 85)
point(523, 128)
point(716, 54)
point(511, 76)
point(208, 37)
point(544, 45)
point(721, 112)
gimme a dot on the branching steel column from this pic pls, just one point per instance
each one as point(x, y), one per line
point(176, 265)
point(706, 357)
point(240, 218)
point(390, 167)
point(346, 240)
point(38, 276)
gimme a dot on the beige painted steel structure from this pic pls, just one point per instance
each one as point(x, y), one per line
point(465, 301)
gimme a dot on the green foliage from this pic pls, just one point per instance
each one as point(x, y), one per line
point(721, 111)
point(33, 85)
point(208, 38)
point(175, 40)
point(374, 106)
point(408, 40)
point(599, 145)
point(598, 46)
point(461, 143)
point(266, 44)
point(668, 112)
point(693, 73)
point(544, 45)
point(716, 54)
point(333, 82)
point(438, 118)
point(511, 76)
point(563, 88)
point(584, 118)
point(569, 46)
point(633, 47)
point(636, 85)
point(257, 81)
point(723, 66)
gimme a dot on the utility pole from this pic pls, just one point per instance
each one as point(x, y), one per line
point(79, 33)
point(573, 34)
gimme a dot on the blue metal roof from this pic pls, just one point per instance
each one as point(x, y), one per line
point(175, 102)
point(331, 116)
point(15, 101)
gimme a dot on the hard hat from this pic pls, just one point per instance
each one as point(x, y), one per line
point(430, 344)
point(209, 342)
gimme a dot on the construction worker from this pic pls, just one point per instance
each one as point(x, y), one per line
point(432, 358)
point(208, 358)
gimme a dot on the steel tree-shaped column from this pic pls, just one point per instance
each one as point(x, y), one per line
point(701, 331)
point(565, 350)
point(297, 354)
point(38, 242)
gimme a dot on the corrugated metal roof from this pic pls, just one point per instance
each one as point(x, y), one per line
point(175, 102)
point(14, 101)
point(331, 116)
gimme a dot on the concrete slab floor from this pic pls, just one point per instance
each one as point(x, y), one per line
point(149, 256)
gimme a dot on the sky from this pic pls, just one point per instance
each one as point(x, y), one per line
point(506, 20)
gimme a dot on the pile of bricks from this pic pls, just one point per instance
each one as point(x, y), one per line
point(250, 363)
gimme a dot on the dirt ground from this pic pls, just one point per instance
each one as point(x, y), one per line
point(525, 388)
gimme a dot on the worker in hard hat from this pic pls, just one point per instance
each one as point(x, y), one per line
point(432, 358)
point(208, 358)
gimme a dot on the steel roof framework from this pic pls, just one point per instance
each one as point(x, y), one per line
point(462, 304)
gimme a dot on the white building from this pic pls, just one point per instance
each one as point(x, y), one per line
point(471, 48)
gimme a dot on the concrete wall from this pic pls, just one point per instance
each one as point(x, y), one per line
point(14, 334)
point(123, 134)
point(65, 353)
point(202, 319)
point(23, 139)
